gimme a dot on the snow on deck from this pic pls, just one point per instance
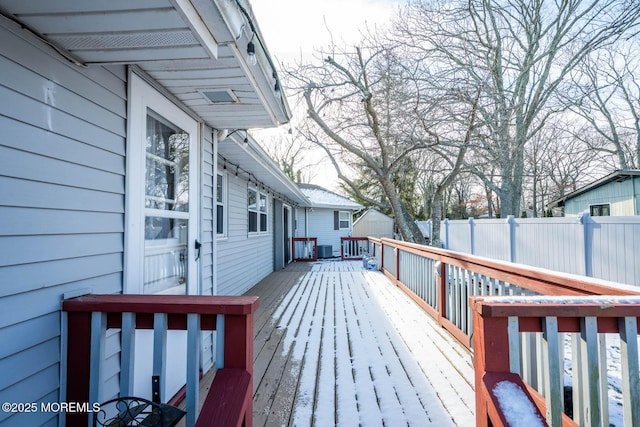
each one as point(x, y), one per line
point(343, 346)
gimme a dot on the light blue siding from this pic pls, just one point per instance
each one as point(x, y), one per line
point(243, 259)
point(62, 208)
point(207, 238)
point(619, 195)
point(321, 225)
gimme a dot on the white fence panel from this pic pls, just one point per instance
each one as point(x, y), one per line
point(491, 238)
point(553, 243)
point(457, 235)
point(614, 244)
point(603, 247)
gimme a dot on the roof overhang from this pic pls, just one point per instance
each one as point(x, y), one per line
point(617, 176)
point(188, 46)
point(252, 163)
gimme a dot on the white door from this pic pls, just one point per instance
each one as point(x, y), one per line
point(162, 220)
point(162, 195)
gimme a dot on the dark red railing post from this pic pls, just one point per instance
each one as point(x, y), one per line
point(238, 351)
point(396, 252)
point(78, 365)
point(490, 337)
point(442, 289)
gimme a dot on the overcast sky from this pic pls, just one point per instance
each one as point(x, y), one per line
point(293, 28)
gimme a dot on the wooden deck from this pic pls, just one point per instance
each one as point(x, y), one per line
point(336, 344)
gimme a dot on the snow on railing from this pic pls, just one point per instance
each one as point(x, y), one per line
point(442, 281)
point(586, 370)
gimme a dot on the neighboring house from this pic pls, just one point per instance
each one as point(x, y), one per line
point(109, 169)
point(617, 194)
point(373, 223)
point(329, 218)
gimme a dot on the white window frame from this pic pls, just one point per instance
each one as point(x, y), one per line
point(224, 203)
point(259, 214)
point(143, 96)
point(340, 220)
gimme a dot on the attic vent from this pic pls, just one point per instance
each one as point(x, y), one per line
point(219, 96)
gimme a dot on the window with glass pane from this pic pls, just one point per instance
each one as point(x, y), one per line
point(600, 210)
point(344, 220)
point(263, 212)
point(166, 206)
point(220, 202)
point(252, 202)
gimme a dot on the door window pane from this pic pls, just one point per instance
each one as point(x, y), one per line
point(165, 260)
point(167, 165)
point(166, 206)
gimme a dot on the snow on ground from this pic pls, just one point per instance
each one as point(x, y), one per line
point(370, 356)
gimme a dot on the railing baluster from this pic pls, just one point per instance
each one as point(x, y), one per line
point(193, 369)
point(127, 353)
point(554, 387)
point(220, 341)
point(160, 353)
point(514, 345)
point(590, 370)
point(630, 370)
point(604, 382)
point(577, 379)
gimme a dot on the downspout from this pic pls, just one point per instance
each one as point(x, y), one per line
point(306, 222)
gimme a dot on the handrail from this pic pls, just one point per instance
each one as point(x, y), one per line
point(444, 282)
point(313, 253)
point(441, 281)
point(507, 271)
point(88, 318)
point(351, 249)
point(501, 325)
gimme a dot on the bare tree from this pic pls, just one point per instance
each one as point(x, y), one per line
point(520, 52)
point(607, 98)
point(360, 113)
point(291, 153)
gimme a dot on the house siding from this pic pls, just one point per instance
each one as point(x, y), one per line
point(321, 225)
point(620, 195)
point(62, 180)
point(207, 236)
point(243, 259)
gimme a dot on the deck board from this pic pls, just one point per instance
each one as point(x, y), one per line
point(336, 344)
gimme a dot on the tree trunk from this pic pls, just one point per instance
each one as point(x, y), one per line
point(406, 225)
point(436, 218)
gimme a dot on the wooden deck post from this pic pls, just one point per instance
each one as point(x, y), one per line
point(78, 365)
point(490, 337)
point(442, 291)
point(238, 350)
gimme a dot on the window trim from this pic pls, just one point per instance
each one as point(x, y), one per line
point(224, 203)
point(340, 220)
point(599, 206)
point(258, 212)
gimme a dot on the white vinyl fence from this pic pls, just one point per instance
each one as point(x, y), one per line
point(603, 247)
